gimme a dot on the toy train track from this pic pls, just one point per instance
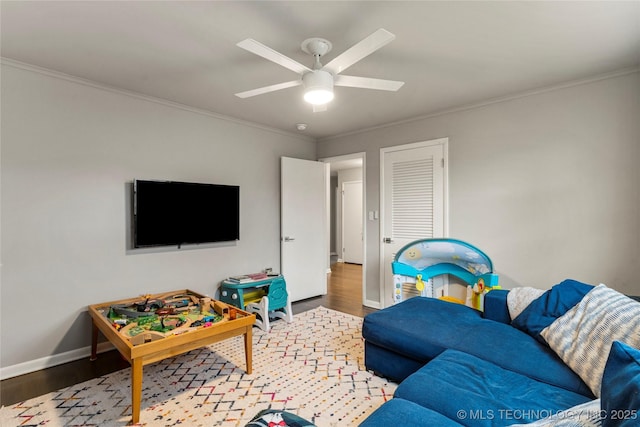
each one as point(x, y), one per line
point(152, 319)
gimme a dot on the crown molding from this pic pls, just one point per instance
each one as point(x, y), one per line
point(491, 101)
point(101, 86)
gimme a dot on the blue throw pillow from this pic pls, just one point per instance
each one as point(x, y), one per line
point(544, 310)
point(621, 387)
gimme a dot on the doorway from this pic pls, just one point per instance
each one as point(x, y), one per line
point(347, 220)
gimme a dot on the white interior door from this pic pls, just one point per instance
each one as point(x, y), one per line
point(304, 233)
point(412, 201)
point(352, 250)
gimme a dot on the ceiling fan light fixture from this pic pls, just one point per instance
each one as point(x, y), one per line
point(318, 96)
point(318, 87)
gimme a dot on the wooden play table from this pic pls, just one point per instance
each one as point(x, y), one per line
point(146, 348)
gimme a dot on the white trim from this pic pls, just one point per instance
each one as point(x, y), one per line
point(50, 361)
point(371, 304)
point(327, 219)
point(344, 157)
point(410, 146)
point(445, 184)
point(79, 80)
point(497, 100)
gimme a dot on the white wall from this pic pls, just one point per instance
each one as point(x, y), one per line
point(548, 185)
point(69, 154)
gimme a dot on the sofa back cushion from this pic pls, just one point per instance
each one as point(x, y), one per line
point(551, 305)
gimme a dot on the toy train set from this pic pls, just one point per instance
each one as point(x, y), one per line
point(150, 319)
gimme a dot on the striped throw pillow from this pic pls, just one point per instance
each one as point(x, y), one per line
point(582, 337)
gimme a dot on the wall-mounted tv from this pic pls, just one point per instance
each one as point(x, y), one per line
point(170, 213)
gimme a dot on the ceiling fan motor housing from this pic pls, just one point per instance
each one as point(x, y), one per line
point(318, 87)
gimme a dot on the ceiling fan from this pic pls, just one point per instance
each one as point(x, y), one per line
point(319, 80)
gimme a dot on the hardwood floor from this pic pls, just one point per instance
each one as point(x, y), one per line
point(344, 293)
point(344, 289)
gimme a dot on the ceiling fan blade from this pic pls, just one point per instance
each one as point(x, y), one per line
point(367, 83)
point(267, 89)
point(270, 54)
point(358, 51)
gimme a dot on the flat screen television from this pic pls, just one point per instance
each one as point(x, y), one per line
point(170, 213)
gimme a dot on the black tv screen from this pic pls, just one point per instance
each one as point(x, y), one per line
point(169, 213)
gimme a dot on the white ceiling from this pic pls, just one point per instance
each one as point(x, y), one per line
point(450, 54)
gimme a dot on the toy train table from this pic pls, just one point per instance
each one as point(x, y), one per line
point(151, 328)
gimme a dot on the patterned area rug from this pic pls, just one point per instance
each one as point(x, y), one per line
point(312, 367)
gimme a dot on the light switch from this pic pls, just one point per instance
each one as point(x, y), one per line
point(371, 215)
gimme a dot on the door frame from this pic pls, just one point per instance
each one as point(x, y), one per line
point(359, 155)
point(444, 142)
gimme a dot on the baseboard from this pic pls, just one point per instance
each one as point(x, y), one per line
point(339, 260)
point(371, 304)
point(50, 361)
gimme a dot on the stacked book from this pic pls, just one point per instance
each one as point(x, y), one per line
point(239, 279)
point(246, 278)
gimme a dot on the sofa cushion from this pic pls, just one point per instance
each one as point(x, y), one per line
point(421, 328)
point(621, 387)
point(582, 337)
point(389, 364)
point(410, 327)
point(400, 412)
point(475, 392)
point(551, 305)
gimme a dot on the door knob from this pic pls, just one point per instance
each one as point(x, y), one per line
point(289, 239)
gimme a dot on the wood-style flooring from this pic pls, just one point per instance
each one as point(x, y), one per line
point(344, 293)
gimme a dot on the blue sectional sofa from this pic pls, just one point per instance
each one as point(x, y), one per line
point(457, 366)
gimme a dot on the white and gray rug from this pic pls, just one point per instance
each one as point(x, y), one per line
point(312, 367)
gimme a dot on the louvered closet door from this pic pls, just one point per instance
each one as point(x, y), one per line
point(413, 193)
